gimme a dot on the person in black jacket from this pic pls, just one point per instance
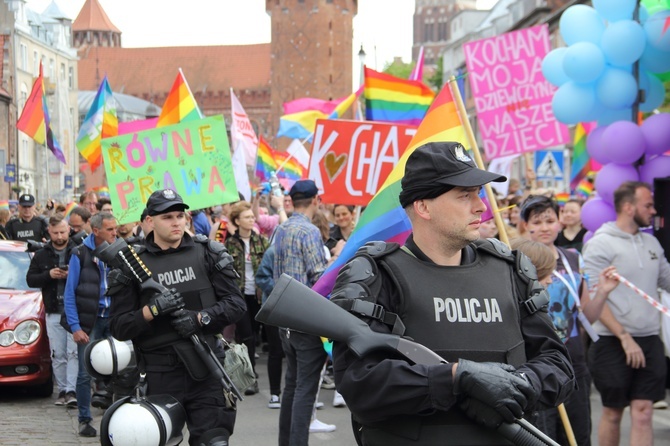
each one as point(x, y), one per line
point(203, 298)
point(48, 271)
point(462, 298)
point(27, 226)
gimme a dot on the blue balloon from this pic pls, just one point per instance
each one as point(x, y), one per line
point(573, 102)
point(616, 89)
point(655, 60)
point(615, 10)
point(654, 92)
point(623, 43)
point(657, 32)
point(644, 14)
point(583, 62)
point(610, 116)
point(552, 67)
point(581, 23)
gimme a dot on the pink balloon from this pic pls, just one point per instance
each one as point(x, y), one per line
point(610, 178)
point(658, 167)
point(595, 147)
point(656, 132)
point(624, 142)
point(596, 212)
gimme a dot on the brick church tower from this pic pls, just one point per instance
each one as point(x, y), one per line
point(311, 49)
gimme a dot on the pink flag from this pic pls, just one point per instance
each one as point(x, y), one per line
point(417, 71)
point(241, 131)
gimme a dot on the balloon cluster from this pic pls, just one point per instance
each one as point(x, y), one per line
point(618, 146)
point(596, 83)
point(594, 72)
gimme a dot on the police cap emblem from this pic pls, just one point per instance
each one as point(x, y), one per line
point(169, 194)
point(459, 152)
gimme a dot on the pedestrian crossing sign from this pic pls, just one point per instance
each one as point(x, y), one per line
point(549, 164)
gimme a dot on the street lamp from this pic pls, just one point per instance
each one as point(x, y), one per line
point(361, 55)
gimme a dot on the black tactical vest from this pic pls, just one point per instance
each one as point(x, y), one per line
point(469, 311)
point(185, 271)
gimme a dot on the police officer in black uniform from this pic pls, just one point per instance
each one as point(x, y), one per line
point(475, 303)
point(27, 226)
point(199, 274)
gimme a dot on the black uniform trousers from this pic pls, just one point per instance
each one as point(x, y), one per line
point(203, 401)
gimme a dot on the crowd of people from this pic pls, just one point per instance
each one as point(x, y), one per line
point(540, 336)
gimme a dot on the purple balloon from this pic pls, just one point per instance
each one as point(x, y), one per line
point(656, 132)
point(595, 147)
point(588, 236)
point(624, 142)
point(657, 167)
point(596, 212)
point(610, 178)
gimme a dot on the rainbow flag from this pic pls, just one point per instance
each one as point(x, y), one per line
point(269, 160)
point(391, 99)
point(562, 198)
point(301, 125)
point(4, 204)
point(100, 122)
point(265, 162)
point(68, 209)
point(384, 218)
point(179, 105)
point(581, 163)
point(584, 188)
point(35, 122)
point(101, 191)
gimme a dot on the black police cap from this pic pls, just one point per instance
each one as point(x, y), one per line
point(165, 200)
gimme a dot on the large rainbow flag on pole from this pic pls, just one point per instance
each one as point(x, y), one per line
point(384, 218)
point(179, 105)
point(269, 160)
point(34, 120)
point(391, 99)
point(101, 122)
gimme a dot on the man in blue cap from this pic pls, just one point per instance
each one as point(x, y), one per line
point(299, 253)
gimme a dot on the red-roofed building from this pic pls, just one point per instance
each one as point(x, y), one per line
point(303, 60)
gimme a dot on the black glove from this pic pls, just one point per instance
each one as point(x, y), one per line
point(166, 302)
point(186, 322)
point(494, 385)
point(481, 413)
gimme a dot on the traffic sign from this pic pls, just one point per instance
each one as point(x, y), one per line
point(549, 164)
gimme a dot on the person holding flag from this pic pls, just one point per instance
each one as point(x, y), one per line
point(503, 358)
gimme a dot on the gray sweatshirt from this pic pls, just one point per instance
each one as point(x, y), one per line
point(638, 258)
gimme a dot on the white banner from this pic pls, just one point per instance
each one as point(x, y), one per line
point(241, 131)
point(299, 153)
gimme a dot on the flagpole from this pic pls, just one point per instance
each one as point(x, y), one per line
point(285, 161)
point(502, 233)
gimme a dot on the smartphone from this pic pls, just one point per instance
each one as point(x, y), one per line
point(64, 267)
point(330, 243)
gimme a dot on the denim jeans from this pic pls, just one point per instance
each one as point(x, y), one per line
point(100, 330)
point(63, 354)
point(305, 358)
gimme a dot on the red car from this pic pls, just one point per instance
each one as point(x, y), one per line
point(25, 356)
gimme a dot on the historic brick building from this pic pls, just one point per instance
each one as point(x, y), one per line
point(310, 56)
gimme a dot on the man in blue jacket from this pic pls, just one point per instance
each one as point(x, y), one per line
point(87, 307)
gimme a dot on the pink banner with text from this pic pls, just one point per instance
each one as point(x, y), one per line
point(512, 97)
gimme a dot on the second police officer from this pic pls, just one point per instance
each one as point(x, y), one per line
point(202, 274)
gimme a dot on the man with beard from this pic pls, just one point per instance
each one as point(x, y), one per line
point(48, 271)
point(627, 363)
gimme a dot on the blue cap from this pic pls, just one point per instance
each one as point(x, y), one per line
point(304, 189)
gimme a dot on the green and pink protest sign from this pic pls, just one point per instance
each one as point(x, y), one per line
point(512, 97)
point(193, 158)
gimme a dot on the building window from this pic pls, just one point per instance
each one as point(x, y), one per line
point(70, 77)
point(23, 96)
point(52, 73)
point(36, 64)
point(62, 72)
point(24, 57)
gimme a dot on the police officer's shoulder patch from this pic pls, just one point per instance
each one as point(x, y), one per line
point(377, 249)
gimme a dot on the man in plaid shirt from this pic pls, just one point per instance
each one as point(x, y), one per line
point(299, 253)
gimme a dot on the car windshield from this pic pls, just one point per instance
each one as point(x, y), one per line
point(13, 269)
